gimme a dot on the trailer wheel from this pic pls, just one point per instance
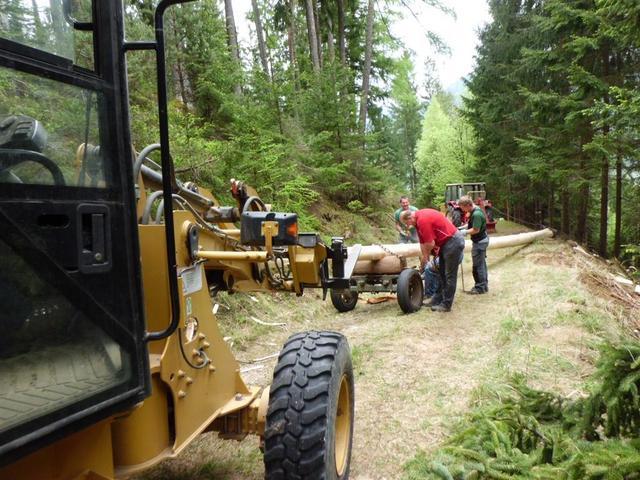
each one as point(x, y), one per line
point(309, 426)
point(410, 290)
point(344, 300)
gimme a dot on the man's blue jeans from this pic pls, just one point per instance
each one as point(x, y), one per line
point(479, 259)
point(431, 278)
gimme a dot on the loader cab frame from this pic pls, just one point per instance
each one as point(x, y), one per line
point(72, 332)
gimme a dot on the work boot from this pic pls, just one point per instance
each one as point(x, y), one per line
point(474, 291)
point(440, 308)
point(427, 301)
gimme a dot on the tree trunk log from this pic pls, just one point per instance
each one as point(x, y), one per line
point(375, 259)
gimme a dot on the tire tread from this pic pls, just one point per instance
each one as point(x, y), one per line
point(295, 443)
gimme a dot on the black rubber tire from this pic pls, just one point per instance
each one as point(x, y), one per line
point(410, 290)
point(344, 300)
point(456, 217)
point(300, 433)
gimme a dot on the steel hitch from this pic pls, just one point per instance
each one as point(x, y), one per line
point(343, 262)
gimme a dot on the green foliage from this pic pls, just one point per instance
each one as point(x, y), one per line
point(290, 132)
point(522, 433)
point(443, 152)
point(554, 104)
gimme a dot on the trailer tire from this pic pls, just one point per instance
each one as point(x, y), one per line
point(309, 427)
point(344, 300)
point(410, 290)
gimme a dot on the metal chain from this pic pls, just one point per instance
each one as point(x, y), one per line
point(403, 260)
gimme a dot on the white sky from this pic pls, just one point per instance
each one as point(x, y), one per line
point(460, 34)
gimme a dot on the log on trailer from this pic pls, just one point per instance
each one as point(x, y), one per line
point(388, 259)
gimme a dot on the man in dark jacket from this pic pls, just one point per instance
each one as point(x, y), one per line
point(435, 230)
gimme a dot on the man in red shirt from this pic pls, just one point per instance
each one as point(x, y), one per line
point(435, 230)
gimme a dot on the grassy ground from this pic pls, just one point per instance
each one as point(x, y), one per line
point(418, 374)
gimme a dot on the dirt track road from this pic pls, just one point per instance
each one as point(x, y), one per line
point(417, 374)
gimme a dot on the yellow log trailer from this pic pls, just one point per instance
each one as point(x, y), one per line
point(111, 359)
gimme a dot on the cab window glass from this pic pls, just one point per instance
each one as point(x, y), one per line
point(49, 133)
point(52, 355)
point(47, 25)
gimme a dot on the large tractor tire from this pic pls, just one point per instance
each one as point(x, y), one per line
point(309, 428)
point(344, 300)
point(410, 290)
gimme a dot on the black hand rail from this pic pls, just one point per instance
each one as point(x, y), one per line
point(168, 174)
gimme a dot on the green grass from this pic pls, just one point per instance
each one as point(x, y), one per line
point(513, 328)
point(548, 317)
point(360, 355)
point(241, 464)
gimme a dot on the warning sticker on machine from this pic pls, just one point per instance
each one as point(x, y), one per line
point(191, 279)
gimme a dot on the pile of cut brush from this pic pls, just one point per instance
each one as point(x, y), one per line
point(609, 281)
point(528, 434)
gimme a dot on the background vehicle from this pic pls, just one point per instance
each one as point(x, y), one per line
point(110, 355)
point(477, 192)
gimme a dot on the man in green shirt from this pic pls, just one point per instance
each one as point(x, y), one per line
point(406, 234)
point(477, 228)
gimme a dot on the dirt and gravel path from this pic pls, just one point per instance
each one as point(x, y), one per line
point(417, 374)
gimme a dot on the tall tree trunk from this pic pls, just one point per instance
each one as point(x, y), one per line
point(59, 25)
point(508, 206)
point(550, 206)
point(293, 57)
point(366, 72)
point(342, 46)
point(331, 50)
point(583, 203)
point(311, 33)
point(37, 23)
point(604, 172)
point(272, 84)
point(262, 48)
point(616, 237)
point(565, 215)
point(232, 39)
point(316, 16)
point(604, 207)
point(180, 80)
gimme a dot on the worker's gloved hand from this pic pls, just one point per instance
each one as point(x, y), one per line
point(464, 231)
